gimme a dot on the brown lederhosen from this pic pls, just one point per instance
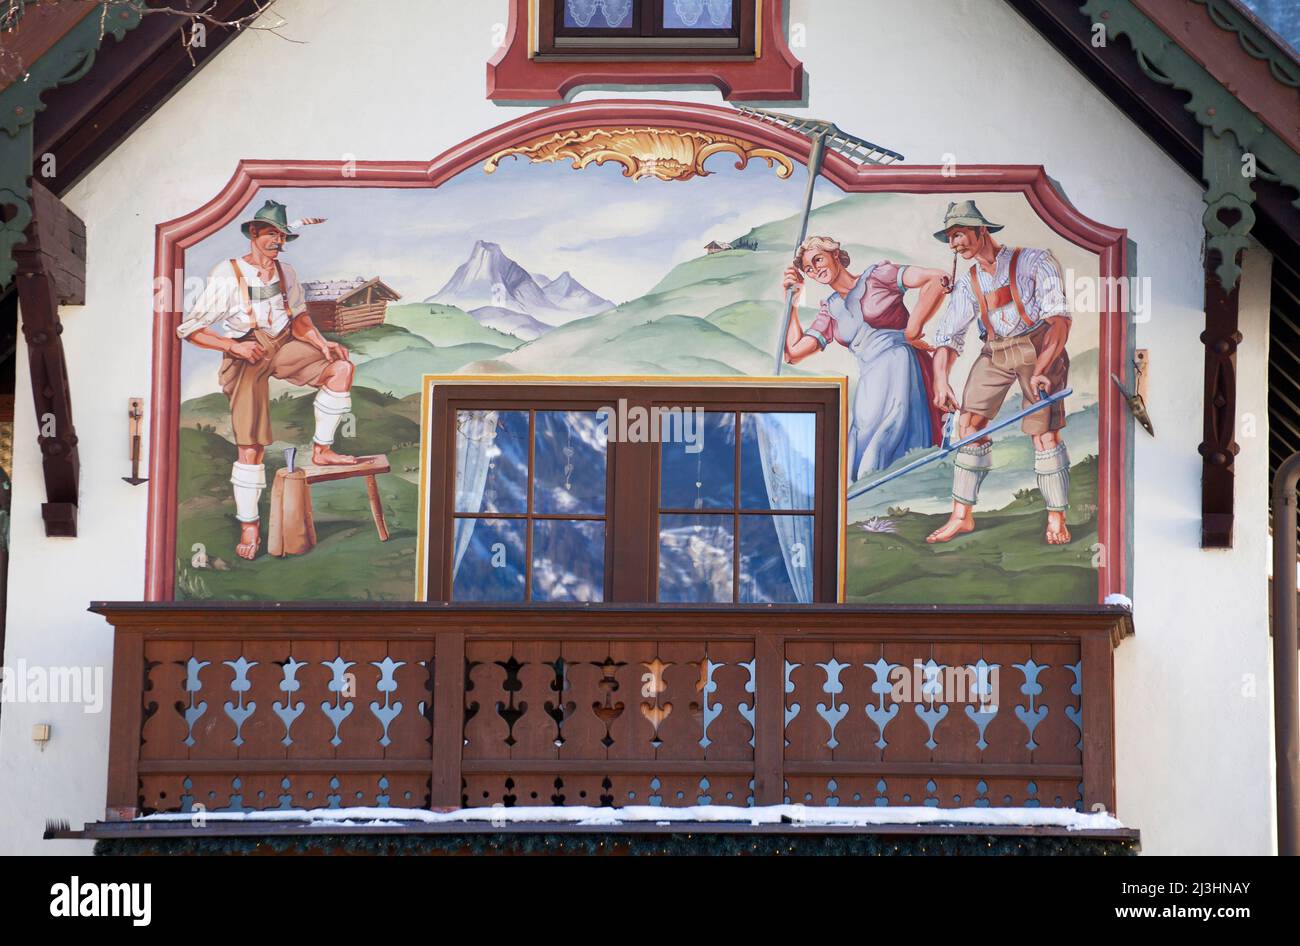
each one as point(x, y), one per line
point(248, 385)
point(1004, 361)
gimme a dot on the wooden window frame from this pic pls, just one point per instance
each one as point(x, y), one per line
point(633, 486)
point(647, 41)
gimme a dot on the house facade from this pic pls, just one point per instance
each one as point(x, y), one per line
point(597, 516)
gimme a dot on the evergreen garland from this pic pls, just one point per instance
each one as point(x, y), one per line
point(860, 845)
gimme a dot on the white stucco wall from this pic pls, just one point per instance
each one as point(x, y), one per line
point(404, 79)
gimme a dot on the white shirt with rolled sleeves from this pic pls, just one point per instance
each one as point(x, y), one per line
point(1042, 290)
point(221, 308)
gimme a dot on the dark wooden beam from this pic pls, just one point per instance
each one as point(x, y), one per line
point(85, 120)
point(1219, 449)
point(1156, 109)
point(52, 272)
point(1159, 110)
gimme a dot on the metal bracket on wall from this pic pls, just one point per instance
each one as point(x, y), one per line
point(1137, 398)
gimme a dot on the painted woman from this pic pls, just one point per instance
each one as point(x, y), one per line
point(893, 410)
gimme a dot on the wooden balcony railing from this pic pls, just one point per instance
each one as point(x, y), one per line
point(234, 707)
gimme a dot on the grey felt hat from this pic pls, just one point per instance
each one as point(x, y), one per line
point(964, 213)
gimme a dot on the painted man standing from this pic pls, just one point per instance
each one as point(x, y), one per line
point(1017, 298)
point(254, 312)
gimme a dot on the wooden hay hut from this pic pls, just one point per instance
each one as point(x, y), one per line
point(343, 306)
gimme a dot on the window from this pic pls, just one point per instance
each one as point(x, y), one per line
point(646, 29)
point(738, 47)
point(601, 493)
point(529, 510)
point(736, 513)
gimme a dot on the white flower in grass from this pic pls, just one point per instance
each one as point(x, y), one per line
point(880, 524)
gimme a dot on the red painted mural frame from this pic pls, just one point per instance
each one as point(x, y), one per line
point(174, 237)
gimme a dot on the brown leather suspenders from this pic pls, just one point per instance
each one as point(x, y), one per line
point(997, 298)
point(245, 297)
point(284, 290)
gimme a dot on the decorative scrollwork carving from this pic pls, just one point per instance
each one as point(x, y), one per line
point(1252, 41)
point(1227, 122)
point(664, 153)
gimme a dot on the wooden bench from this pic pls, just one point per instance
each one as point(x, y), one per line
point(368, 467)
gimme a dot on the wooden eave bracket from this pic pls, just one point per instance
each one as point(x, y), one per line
point(64, 62)
point(1237, 148)
point(52, 272)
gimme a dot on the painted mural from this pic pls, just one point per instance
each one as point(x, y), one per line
point(314, 316)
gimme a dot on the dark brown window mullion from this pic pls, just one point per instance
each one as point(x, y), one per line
point(826, 502)
point(441, 501)
point(528, 518)
point(738, 418)
point(607, 515)
point(634, 511)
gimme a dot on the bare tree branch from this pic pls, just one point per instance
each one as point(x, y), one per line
point(11, 15)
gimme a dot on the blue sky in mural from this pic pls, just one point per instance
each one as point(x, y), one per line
point(617, 237)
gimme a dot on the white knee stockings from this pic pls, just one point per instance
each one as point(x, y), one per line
point(972, 464)
point(329, 407)
point(249, 480)
point(1053, 469)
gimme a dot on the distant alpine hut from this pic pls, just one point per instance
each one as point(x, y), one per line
point(716, 247)
point(343, 306)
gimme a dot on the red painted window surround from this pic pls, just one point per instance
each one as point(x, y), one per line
point(774, 75)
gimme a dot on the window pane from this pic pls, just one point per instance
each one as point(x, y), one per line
point(697, 14)
point(492, 461)
point(695, 558)
point(776, 559)
point(778, 461)
point(598, 14)
point(568, 560)
point(569, 463)
point(489, 560)
point(698, 468)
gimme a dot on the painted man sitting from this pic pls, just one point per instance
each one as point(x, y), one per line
point(254, 312)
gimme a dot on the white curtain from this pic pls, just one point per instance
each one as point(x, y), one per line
point(476, 437)
point(787, 444)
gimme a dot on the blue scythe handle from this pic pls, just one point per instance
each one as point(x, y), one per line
point(815, 154)
point(857, 489)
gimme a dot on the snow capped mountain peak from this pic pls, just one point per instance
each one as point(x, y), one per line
point(491, 280)
point(565, 292)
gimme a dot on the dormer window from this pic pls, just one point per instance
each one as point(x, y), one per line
point(646, 29)
point(553, 48)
